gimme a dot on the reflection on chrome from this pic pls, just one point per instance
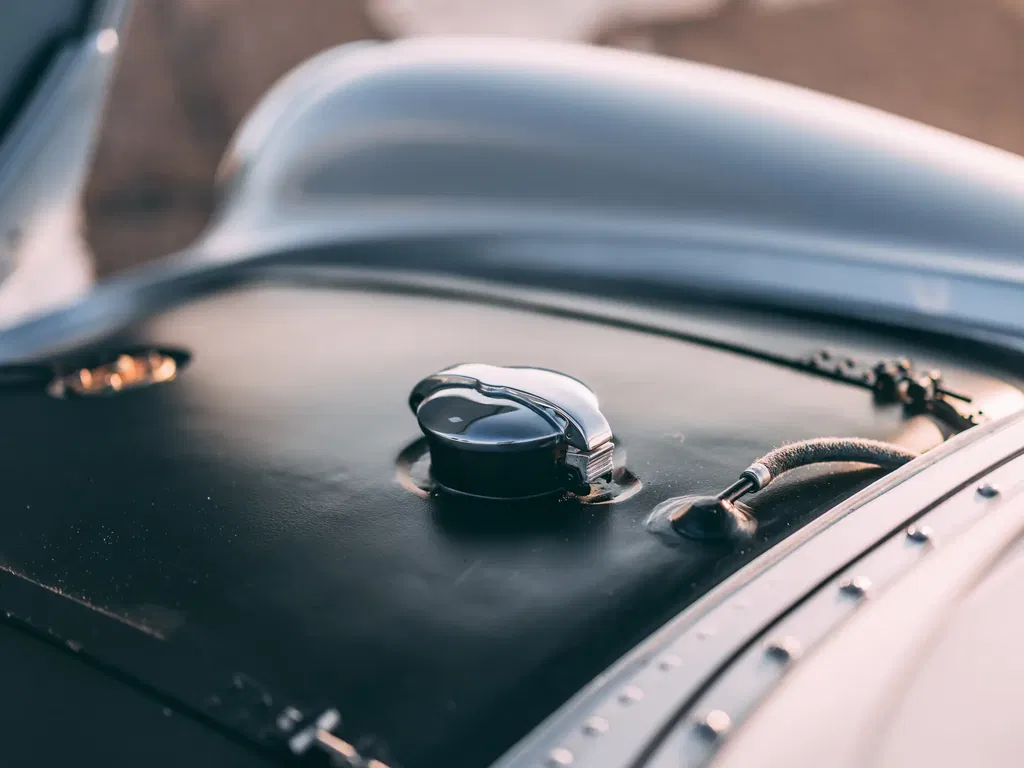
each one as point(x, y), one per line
point(128, 371)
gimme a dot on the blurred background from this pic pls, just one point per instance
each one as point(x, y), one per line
point(191, 69)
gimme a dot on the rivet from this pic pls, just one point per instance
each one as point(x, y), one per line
point(631, 694)
point(287, 720)
point(671, 661)
point(715, 724)
point(560, 757)
point(106, 41)
point(705, 632)
point(857, 586)
point(595, 726)
point(920, 533)
point(784, 649)
point(988, 491)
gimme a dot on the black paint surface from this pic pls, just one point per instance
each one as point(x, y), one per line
point(248, 511)
point(56, 711)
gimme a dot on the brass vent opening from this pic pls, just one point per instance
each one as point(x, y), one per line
point(128, 371)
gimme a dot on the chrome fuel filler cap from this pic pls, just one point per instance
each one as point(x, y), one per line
point(511, 432)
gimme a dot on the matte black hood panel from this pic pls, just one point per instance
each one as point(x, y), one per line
point(247, 514)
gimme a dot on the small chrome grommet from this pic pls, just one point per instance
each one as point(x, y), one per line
point(988, 491)
point(856, 586)
point(921, 533)
point(631, 694)
point(670, 661)
point(595, 726)
point(715, 724)
point(784, 649)
point(559, 757)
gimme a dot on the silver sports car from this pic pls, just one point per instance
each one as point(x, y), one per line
point(525, 404)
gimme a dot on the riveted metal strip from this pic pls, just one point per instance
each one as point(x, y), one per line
point(638, 701)
point(757, 670)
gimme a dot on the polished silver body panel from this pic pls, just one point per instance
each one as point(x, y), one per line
point(44, 261)
point(624, 168)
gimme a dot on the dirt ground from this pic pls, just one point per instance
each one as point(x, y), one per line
point(191, 69)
